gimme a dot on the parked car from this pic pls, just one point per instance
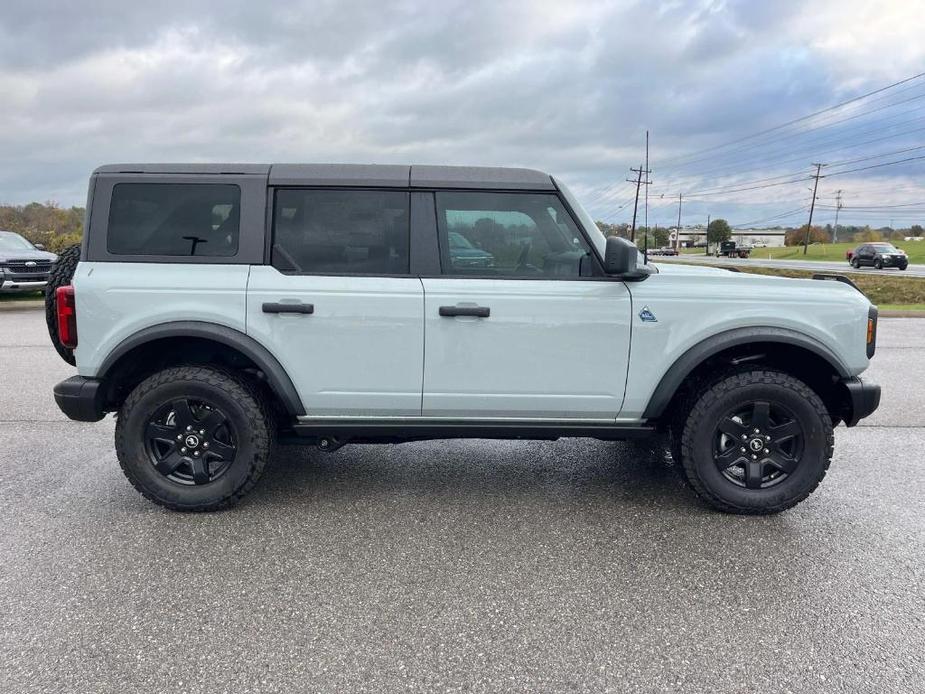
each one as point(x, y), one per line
point(215, 327)
point(878, 255)
point(464, 254)
point(665, 250)
point(24, 267)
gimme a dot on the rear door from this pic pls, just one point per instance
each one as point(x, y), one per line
point(337, 305)
point(515, 327)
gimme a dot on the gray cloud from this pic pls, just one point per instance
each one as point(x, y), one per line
point(565, 87)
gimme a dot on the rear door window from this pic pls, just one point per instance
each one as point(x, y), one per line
point(363, 232)
point(174, 219)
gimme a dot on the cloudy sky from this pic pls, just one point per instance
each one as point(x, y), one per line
point(568, 87)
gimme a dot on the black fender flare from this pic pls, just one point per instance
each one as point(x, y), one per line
point(700, 352)
point(276, 375)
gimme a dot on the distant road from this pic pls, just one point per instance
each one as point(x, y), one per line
point(811, 265)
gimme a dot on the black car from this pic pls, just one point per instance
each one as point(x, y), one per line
point(23, 266)
point(879, 255)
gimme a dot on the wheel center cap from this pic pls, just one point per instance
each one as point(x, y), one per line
point(756, 445)
point(192, 441)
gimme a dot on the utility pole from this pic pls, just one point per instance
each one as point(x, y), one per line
point(645, 243)
point(812, 206)
point(638, 173)
point(678, 233)
point(706, 246)
point(838, 207)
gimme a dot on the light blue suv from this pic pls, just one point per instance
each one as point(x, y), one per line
point(218, 308)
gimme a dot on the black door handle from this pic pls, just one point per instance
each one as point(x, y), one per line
point(477, 311)
point(271, 307)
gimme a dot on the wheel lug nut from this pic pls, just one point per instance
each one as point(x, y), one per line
point(183, 450)
point(744, 436)
point(766, 450)
point(757, 431)
point(742, 449)
point(205, 445)
point(189, 428)
point(179, 437)
point(196, 453)
point(754, 457)
point(202, 432)
point(767, 438)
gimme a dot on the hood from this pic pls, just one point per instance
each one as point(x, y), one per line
point(770, 286)
point(26, 254)
point(682, 269)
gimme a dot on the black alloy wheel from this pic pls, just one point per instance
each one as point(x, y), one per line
point(758, 445)
point(190, 441)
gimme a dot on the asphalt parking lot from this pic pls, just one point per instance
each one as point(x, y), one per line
point(462, 566)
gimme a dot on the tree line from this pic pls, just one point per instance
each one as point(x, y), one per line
point(719, 230)
point(54, 227)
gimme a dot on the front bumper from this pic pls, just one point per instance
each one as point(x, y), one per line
point(895, 260)
point(863, 398)
point(11, 285)
point(81, 399)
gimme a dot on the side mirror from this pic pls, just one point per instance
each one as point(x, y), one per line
point(39, 246)
point(620, 256)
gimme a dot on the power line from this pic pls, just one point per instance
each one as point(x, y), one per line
point(877, 166)
point(819, 127)
point(801, 119)
point(766, 159)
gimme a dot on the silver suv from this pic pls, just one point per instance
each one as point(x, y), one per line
point(219, 308)
point(24, 266)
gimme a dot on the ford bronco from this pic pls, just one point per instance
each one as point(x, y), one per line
point(219, 308)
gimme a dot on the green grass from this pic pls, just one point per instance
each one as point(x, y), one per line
point(825, 251)
point(902, 307)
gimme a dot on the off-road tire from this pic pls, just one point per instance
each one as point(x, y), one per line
point(244, 406)
point(62, 271)
point(696, 441)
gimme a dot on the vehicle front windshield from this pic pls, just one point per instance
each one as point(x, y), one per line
point(885, 248)
point(14, 242)
point(587, 222)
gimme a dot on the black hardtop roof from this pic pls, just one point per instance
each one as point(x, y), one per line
point(374, 175)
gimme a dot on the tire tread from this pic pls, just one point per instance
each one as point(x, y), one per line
point(242, 391)
point(738, 379)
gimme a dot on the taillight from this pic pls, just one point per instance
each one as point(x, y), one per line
point(67, 316)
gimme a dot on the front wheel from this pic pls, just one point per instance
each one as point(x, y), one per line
point(878, 264)
point(756, 442)
point(193, 438)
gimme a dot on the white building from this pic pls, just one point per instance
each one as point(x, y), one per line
point(697, 236)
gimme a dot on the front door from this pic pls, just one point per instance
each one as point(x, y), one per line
point(337, 306)
point(513, 327)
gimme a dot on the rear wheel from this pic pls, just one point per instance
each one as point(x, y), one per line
point(756, 442)
point(193, 438)
point(855, 263)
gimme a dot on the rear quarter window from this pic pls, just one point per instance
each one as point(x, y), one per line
point(174, 219)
